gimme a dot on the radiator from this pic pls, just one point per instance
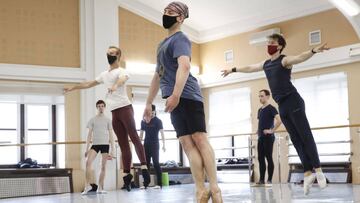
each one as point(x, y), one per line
point(31, 183)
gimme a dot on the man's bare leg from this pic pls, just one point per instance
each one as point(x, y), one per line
point(89, 178)
point(104, 157)
point(208, 157)
point(196, 166)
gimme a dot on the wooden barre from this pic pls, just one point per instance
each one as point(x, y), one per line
point(231, 135)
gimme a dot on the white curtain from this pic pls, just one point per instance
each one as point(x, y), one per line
point(229, 113)
point(326, 101)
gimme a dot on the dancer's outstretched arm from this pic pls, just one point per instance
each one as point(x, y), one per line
point(83, 85)
point(246, 69)
point(288, 61)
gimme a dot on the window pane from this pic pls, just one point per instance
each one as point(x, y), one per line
point(138, 114)
point(219, 143)
point(172, 149)
point(8, 115)
point(316, 92)
point(38, 116)
point(242, 141)
point(9, 155)
point(60, 135)
point(230, 116)
point(41, 153)
point(165, 118)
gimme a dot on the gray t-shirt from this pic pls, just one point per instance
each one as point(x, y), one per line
point(167, 54)
point(100, 126)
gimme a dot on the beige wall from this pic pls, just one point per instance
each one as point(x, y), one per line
point(72, 133)
point(139, 39)
point(335, 30)
point(40, 32)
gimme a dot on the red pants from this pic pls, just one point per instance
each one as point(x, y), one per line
point(124, 124)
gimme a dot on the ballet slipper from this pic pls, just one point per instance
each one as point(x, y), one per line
point(203, 196)
point(216, 197)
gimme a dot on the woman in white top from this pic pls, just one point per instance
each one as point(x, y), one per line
point(122, 113)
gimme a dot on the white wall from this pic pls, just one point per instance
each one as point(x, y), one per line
point(106, 33)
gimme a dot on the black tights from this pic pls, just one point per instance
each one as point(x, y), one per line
point(152, 152)
point(265, 150)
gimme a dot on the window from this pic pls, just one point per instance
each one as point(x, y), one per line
point(31, 119)
point(60, 135)
point(38, 130)
point(172, 146)
point(326, 100)
point(9, 132)
point(230, 113)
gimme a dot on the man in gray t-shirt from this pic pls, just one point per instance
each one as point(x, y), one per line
point(184, 101)
point(100, 134)
point(169, 50)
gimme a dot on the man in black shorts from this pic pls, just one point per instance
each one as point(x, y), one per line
point(100, 134)
point(184, 101)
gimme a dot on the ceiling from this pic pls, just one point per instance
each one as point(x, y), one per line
point(214, 19)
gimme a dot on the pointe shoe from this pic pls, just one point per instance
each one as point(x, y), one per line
point(216, 197)
point(308, 182)
point(203, 197)
point(146, 176)
point(321, 179)
point(127, 182)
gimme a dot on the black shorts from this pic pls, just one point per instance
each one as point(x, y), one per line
point(188, 117)
point(103, 148)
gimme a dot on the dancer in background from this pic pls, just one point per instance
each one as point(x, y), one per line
point(151, 143)
point(100, 138)
point(269, 122)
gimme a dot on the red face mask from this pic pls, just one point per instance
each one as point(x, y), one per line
point(272, 49)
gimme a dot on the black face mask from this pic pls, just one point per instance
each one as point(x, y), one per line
point(111, 59)
point(169, 21)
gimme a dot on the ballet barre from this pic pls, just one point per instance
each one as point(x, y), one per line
point(328, 154)
point(330, 142)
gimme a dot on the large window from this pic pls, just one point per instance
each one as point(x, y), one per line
point(29, 119)
point(9, 132)
point(230, 113)
point(326, 100)
point(172, 146)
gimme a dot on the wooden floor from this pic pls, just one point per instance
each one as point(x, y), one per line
point(231, 193)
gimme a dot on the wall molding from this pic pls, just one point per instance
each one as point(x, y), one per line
point(42, 73)
point(154, 16)
point(219, 32)
point(255, 22)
